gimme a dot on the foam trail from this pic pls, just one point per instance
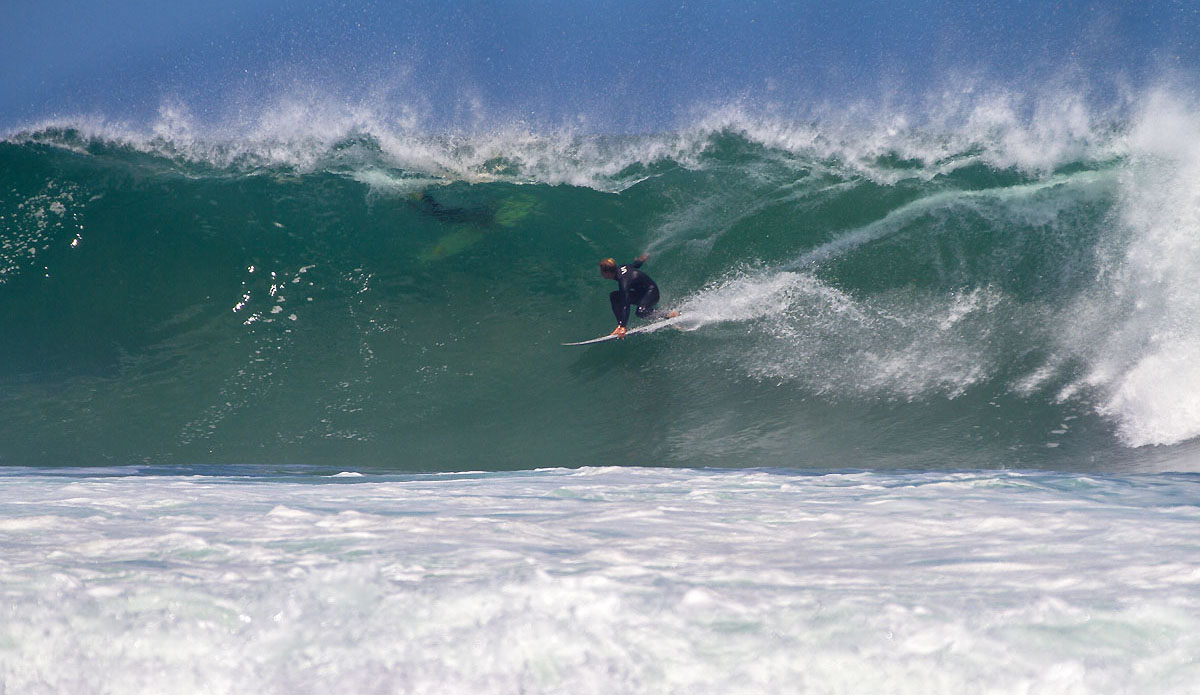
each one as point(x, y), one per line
point(1014, 204)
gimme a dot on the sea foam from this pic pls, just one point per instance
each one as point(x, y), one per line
point(599, 580)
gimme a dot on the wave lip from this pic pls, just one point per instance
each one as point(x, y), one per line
point(307, 131)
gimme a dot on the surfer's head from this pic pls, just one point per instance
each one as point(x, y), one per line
point(608, 268)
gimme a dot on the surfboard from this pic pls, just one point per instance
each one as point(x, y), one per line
point(648, 328)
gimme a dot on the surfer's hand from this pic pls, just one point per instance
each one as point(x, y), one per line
point(619, 332)
point(642, 258)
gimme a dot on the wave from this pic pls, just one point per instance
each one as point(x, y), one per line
point(999, 282)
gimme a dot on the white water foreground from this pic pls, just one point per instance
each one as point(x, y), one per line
point(612, 580)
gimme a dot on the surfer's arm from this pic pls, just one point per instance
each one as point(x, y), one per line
point(637, 262)
point(622, 309)
point(620, 299)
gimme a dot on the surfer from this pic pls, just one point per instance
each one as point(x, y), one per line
point(633, 287)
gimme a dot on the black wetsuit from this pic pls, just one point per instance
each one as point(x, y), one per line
point(634, 287)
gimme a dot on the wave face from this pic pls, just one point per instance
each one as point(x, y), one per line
point(992, 290)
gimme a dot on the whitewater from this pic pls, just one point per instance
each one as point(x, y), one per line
point(598, 581)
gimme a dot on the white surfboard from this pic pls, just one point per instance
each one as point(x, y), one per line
point(648, 328)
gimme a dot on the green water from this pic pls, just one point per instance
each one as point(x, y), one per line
point(162, 307)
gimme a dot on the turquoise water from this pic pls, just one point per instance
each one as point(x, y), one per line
point(987, 292)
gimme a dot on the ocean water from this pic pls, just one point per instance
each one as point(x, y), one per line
point(991, 293)
point(284, 405)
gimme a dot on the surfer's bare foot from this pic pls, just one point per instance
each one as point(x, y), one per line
point(673, 314)
point(619, 332)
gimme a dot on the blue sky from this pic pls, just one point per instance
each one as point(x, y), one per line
point(618, 64)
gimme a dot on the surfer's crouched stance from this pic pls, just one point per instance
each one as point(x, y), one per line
point(633, 287)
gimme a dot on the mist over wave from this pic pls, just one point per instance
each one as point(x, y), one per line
point(987, 279)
